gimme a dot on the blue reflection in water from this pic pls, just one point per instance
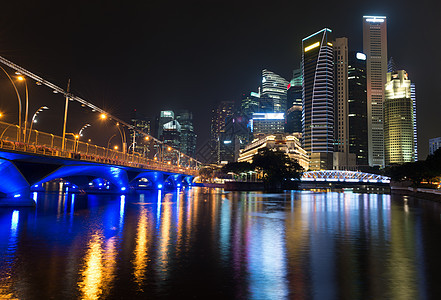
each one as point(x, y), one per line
point(158, 208)
point(122, 203)
point(35, 197)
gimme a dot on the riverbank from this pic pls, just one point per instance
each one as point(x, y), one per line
point(426, 194)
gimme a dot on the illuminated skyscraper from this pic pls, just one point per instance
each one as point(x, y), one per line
point(398, 119)
point(188, 136)
point(375, 48)
point(318, 99)
point(293, 115)
point(357, 116)
point(415, 136)
point(273, 95)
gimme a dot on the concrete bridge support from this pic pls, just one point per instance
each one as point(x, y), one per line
point(14, 188)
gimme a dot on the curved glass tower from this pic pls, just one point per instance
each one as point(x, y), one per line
point(318, 98)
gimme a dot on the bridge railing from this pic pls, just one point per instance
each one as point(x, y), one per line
point(12, 138)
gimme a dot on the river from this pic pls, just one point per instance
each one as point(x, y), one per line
point(202, 243)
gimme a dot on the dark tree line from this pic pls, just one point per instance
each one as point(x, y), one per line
point(428, 170)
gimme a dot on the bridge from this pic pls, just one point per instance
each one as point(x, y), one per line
point(29, 158)
point(339, 178)
point(41, 159)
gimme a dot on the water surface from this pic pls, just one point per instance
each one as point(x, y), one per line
point(209, 244)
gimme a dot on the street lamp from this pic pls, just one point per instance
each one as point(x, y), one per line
point(80, 133)
point(19, 104)
point(34, 121)
point(22, 78)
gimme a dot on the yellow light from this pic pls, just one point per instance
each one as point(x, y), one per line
point(20, 78)
point(103, 116)
point(169, 163)
point(77, 136)
point(155, 158)
point(315, 45)
point(1, 115)
point(146, 138)
point(116, 147)
point(169, 148)
point(329, 44)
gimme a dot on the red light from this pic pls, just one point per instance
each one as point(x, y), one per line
point(289, 85)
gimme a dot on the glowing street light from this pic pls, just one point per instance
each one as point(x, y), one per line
point(34, 120)
point(115, 147)
point(103, 116)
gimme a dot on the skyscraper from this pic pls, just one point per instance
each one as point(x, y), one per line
point(341, 106)
point(293, 116)
point(250, 104)
point(273, 95)
point(415, 135)
point(398, 119)
point(375, 48)
point(188, 136)
point(218, 120)
point(164, 117)
point(357, 114)
point(318, 99)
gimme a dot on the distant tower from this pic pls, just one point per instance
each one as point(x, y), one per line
point(293, 116)
point(218, 120)
point(273, 96)
point(165, 117)
point(375, 48)
point(415, 135)
point(188, 136)
point(318, 99)
point(357, 114)
point(398, 119)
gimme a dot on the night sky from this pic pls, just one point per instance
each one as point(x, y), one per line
point(156, 55)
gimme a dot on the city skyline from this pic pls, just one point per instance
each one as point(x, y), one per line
point(109, 67)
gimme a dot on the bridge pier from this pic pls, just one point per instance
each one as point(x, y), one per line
point(14, 188)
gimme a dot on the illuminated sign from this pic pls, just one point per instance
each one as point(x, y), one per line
point(315, 45)
point(167, 113)
point(329, 44)
point(268, 116)
point(227, 142)
point(374, 19)
point(254, 94)
point(360, 56)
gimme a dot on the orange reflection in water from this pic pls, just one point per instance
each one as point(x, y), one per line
point(141, 257)
point(98, 271)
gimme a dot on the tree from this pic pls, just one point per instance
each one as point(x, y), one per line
point(277, 168)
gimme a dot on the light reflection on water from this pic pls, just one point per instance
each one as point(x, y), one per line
point(212, 244)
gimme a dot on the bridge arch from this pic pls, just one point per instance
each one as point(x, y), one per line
point(343, 176)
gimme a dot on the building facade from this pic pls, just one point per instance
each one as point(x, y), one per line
point(267, 123)
point(357, 108)
point(293, 122)
point(398, 119)
point(273, 93)
point(318, 99)
point(375, 48)
point(188, 136)
point(434, 144)
point(288, 144)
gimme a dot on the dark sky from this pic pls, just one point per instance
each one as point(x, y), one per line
point(156, 55)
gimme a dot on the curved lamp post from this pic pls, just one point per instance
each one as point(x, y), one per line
point(33, 119)
point(19, 104)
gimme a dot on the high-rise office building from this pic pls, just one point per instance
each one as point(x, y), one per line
point(434, 144)
point(267, 123)
point(293, 121)
point(318, 99)
point(341, 106)
point(415, 135)
point(250, 104)
point(357, 108)
point(219, 116)
point(375, 48)
point(188, 136)
point(171, 134)
point(273, 95)
point(164, 117)
point(398, 119)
